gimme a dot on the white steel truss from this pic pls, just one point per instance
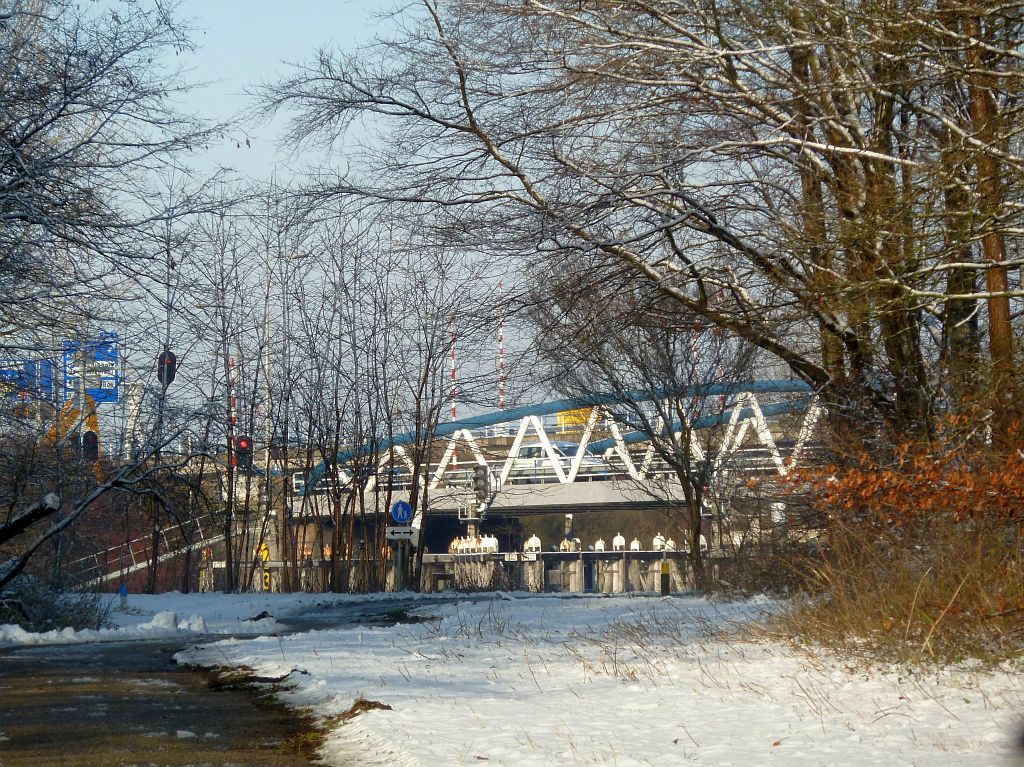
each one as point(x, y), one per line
point(745, 416)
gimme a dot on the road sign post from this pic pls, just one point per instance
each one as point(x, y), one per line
point(401, 532)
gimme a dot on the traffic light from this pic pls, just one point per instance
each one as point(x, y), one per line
point(90, 446)
point(243, 450)
point(166, 367)
point(480, 482)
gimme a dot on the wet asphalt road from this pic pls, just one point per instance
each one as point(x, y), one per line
point(129, 705)
point(114, 705)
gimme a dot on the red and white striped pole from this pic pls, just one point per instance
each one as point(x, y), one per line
point(454, 392)
point(501, 345)
point(454, 389)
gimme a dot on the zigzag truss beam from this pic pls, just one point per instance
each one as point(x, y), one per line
point(745, 415)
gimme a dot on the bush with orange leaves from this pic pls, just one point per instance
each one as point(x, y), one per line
point(922, 483)
point(924, 555)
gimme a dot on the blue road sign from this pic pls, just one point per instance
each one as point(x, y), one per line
point(401, 512)
point(29, 379)
point(99, 359)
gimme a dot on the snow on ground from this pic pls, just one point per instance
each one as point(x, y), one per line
point(187, 615)
point(542, 680)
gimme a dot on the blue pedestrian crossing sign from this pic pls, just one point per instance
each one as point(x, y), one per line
point(401, 512)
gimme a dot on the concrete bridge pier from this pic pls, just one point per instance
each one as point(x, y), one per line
point(610, 575)
point(576, 576)
point(603, 578)
point(677, 572)
point(619, 575)
point(617, 572)
point(637, 577)
point(565, 573)
point(478, 573)
point(533, 575)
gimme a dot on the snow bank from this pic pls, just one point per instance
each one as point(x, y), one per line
point(161, 616)
point(148, 616)
point(624, 681)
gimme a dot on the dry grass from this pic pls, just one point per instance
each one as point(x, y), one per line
point(358, 706)
point(942, 591)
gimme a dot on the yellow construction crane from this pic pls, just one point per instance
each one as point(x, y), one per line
point(70, 418)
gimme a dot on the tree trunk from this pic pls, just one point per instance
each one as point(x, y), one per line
point(986, 123)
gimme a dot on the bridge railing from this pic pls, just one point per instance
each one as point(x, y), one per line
point(136, 553)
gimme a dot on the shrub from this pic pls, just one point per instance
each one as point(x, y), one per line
point(937, 593)
point(924, 558)
point(37, 607)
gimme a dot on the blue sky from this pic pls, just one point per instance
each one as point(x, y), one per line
point(243, 42)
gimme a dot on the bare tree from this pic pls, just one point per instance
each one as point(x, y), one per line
point(605, 335)
point(64, 488)
point(87, 128)
point(812, 180)
point(220, 281)
point(85, 121)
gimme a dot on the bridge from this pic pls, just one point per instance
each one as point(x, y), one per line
point(765, 427)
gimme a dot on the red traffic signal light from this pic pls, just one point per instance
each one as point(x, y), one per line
point(243, 449)
point(166, 366)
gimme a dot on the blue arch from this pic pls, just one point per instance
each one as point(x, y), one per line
point(589, 400)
